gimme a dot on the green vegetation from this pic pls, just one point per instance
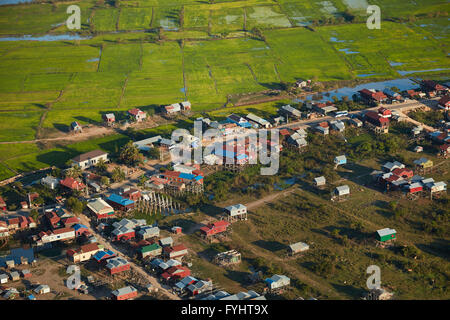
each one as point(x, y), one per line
point(207, 52)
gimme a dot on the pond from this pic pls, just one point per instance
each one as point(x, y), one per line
point(347, 51)
point(401, 84)
point(404, 73)
point(364, 75)
point(5, 2)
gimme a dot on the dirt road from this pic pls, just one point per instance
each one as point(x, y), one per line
point(120, 253)
point(269, 198)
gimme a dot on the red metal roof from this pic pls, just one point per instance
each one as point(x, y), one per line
point(62, 230)
point(135, 111)
point(403, 172)
point(73, 184)
point(384, 111)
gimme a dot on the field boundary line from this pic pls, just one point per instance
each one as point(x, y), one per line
point(9, 168)
point(252, 72)
point(182, 68)
point(209, 23)
point(152, 18)
point(100, 57)
point(44, 115)
point(123, 92)
point(245, 19)
point(212, 77)
point(287, 16)
point(276, 71)
point(118, 19)
point(342, 57)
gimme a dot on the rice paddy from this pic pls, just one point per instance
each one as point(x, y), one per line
point(206, 53)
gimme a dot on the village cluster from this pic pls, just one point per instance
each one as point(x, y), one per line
point(110, 242)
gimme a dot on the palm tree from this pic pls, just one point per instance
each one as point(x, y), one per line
point(101, 166)
point(74, 172)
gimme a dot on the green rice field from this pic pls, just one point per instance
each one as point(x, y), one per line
point(205, 53)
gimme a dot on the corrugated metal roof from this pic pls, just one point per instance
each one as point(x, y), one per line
point(385, 232)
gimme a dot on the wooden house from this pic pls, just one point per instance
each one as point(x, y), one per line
point(137, 114)
point(173, 252)
point(214, 228)
point(386, 234)
point(120, 203)
point(125, 293)
point(116, 265)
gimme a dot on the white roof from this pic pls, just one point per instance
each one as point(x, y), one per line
point(343, 189)
point(98, 205)
point(299, 246)
point(257, 119)
point(236, 207)
point(320, 179)
point(386, 231)
point(124, 290)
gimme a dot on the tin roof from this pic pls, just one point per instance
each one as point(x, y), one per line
point(385, 232)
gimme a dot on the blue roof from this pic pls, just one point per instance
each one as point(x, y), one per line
point(120, 200)
point(101, 254)
point(390, 92)
point(245, 124)
point(242, 156)
point(31, 297)
point(198, 178)
point(79, 226)
point(187, 176)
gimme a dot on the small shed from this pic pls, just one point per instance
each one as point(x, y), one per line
point(10, 263)
point(298, 247)
point(386, 234)
point(228, 257)
point(320, 181)
point(3, 278)
point(42, 289)
point(76, 127)
point(26, 273)
point(342, 191)
point(15, 276)
point(340, 160)
point(277, 282)
point(418, 149)
point(176, 230)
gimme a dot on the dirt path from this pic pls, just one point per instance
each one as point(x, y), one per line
point(120, 253)
point(269, 198)
point(417, 123)
point(87, 133)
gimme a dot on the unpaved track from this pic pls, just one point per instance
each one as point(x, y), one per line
point(269, 198)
